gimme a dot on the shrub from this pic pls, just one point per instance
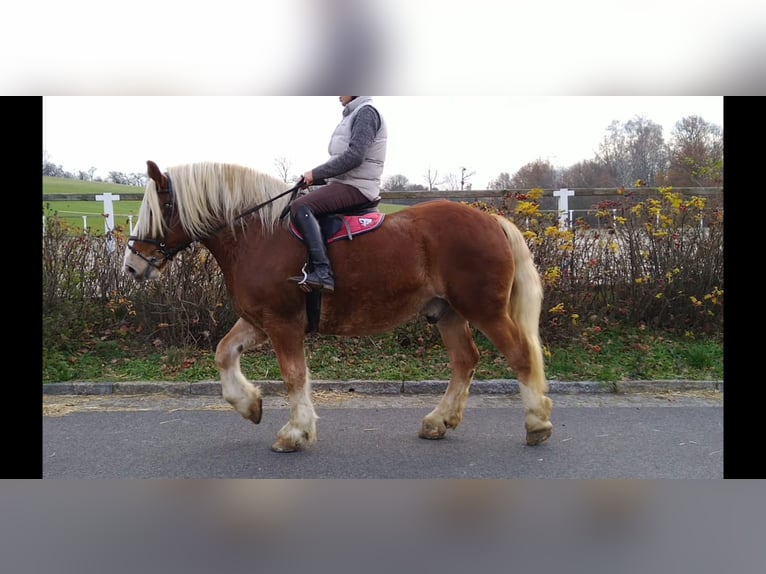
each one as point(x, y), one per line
point(654, 261)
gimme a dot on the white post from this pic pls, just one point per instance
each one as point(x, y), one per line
point(108, 200)
point(85, 225)
point(563, 195)
point(130, 225)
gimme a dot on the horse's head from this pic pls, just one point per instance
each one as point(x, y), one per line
point(159, 233)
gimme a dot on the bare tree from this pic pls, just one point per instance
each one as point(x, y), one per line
point(465, 175)
point(588, 173)
point(396, 183)
point(118, 177)
point(50, 168)
point(501, 182)
point(432, 179)
point(648, 154)
point(283, 166)
point(537, 174)
point(696, 153)
point(614, 154)
point(138, 179)
point(53, 170)
point(451, 182)
point(634, 151)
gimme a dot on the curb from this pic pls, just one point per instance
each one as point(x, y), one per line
point(488, 387)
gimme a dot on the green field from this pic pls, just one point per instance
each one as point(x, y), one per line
point(73, 211)
point(74, 186)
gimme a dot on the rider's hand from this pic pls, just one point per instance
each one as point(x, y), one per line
point(308, 179)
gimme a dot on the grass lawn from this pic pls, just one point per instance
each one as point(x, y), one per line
point(74, 211)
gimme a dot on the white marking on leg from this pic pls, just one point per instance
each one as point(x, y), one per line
point(238, 391)
point(301, 429)
point(536, 408)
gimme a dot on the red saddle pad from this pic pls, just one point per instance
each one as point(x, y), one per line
point(348, 225)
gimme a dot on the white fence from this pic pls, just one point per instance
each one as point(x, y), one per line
point(561, 197)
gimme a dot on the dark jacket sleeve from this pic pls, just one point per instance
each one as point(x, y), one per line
point(363, 130)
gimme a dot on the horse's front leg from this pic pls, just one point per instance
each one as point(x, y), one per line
point(240, 393)
point(300, 430)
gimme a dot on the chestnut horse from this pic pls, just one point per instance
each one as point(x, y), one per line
point(457, 266)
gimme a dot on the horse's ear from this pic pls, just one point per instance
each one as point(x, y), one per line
point(154, 173)
point(152, 170)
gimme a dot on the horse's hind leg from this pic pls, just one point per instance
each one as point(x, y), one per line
point(525, 357)
point(464, 356)
point(237, 390)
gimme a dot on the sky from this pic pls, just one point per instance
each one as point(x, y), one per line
point(486, 135)
point(267, 47)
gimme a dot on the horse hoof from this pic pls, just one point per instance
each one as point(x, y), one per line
point(431, 433)
point(537, 437)
point(284, 446)
point(257, 411)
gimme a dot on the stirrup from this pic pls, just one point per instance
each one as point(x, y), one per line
point(301, 281)
point(306, 287)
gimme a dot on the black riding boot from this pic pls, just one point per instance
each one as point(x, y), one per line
point(321, 278)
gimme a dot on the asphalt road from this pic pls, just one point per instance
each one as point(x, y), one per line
point(665, 435)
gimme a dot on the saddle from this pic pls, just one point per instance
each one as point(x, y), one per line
point(345, 224)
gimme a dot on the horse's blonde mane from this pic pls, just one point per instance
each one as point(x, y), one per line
point(208, 195)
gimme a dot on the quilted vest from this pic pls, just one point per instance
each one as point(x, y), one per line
point(365, 177)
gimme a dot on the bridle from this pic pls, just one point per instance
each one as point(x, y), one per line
point(168, 209)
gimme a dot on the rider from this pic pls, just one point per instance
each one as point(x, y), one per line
point(351, 177)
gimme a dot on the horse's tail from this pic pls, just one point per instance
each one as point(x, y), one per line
point(526, 300)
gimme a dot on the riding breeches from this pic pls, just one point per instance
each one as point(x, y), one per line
point(329, 198)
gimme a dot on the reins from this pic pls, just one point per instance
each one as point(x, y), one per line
point(293, 190)
point(169, 254)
